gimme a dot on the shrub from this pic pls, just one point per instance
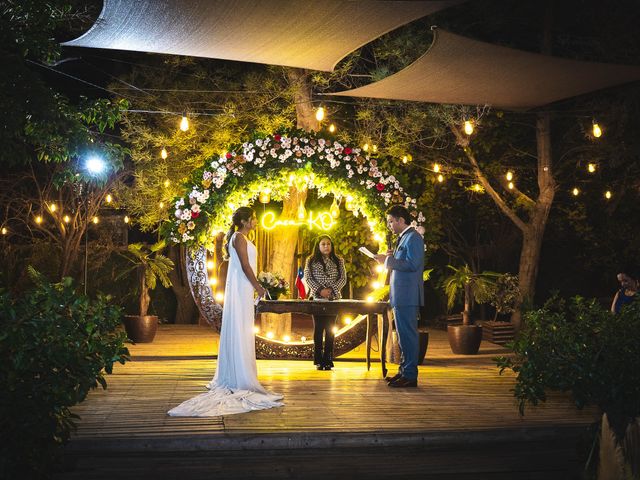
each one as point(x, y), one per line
point(580, 347)
point(55, 346)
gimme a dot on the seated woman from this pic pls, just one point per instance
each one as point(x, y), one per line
point(629, 283)
point(325, 275)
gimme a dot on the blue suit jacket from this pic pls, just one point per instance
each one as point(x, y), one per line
point(406, 266)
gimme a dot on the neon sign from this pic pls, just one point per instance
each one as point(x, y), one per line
point(320, 221)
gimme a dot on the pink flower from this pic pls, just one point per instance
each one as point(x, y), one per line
point(277, 138)
point(195, 214)
point(228, 155)
point(380, 187)
point(347, 151)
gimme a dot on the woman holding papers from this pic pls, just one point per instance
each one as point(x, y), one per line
point(235, 387)
point(326, 275)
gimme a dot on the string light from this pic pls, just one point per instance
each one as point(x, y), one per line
point(348, 203)
point(52, 207)
point(374, 148)
point(607, 195)
point(109, 198)
point(375, 285)
point(210, 264)
point(468, 127)
point(256, 329)
point(4, 230)
point(302, 212)
point(163, 153)
point(286, 338)
point(509, 176)
point(95, 220)
point(219, 297)
point(332, 128)
point(436, 168)
point(377, 237)
point(320, 114)
point(334, 330)
point(365, 147)
point(379, 268)
point(597, 131)
point(591, 167)
point(184, 123)
point(161, 204)
point(213, 281)
point(265, 196)
point(575, 192)
point(477, 187)
point(66, 219)
point(510, 185)
point(440, 178)
point(38, 219)
point(335, 209)
point(269, 334)
point(347, 320)
point(126, 219)
point(369, 299)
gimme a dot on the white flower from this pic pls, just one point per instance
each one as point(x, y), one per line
point(195, 208)
point(186, 214)
point(191, 225)
point(180, 203)
point(178, 213)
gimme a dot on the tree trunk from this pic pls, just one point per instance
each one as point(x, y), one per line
point(145, 298)
point(186, 309)
point(466, 313)
point(301, 88)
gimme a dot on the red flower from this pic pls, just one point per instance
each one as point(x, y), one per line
point(228, 155)
point(380, 187)
point(277, 138)
point(195, 214)
point(348, 151)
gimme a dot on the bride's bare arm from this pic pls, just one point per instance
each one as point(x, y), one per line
point(240, 244)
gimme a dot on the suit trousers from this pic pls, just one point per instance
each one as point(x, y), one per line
point(323, 327)
point(406, 319)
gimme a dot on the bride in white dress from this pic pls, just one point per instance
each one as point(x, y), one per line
point(235, 387)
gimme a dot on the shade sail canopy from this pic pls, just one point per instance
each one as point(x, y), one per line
point(313, 34)
point(458, 70)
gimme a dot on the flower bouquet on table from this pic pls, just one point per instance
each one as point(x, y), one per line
point(274, 283)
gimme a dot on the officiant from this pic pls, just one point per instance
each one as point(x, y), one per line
point(326, 276)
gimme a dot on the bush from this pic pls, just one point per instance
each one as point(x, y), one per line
point(581, 348)
point(55, 346)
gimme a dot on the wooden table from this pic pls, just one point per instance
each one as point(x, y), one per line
point(372, 310)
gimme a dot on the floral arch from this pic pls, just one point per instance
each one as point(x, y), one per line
point(270, 166)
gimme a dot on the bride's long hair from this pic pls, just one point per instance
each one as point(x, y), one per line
point(242, 213)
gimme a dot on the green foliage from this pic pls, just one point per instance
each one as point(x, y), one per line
point(506, 293)
point(151, 266)
point(578, 346)
point(55, 346)
point(481, 286)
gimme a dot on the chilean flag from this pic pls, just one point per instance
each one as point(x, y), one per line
point(302, 293)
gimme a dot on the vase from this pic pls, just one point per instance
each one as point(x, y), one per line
point(273, 295)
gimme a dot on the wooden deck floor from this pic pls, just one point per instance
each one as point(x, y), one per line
point(460, 399)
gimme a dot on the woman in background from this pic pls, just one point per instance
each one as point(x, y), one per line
point(325, 275)
point(629, 283)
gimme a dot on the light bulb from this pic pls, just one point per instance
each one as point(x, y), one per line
point(210, 265)
point(166, 183)
point(575, 192)
point(269, 334)
point(370, 299)
point(379, 268)
point(591, 167)
point(510, 185)
point(436, 167)
point(38, 219)
point(374, 148)
point(347, 320)
point(468, 127)
point(365, 147)
point(4, 230)
point(375, 285)
point(265, 196)
point(332, 128)
point(302, 212)
point(184, 123)
point(440, 178)
point(53, 207)
point(377, 237)
point(109, 198)
point(335, 209)
point(334, 330)
point(509, 176)
point(161, 204)
point(597, 131)
point(213, 281)
point(219, 297)
point(405, 159)
point(320, 114)
point(66, 219)
point(126, 219)
point(286, 338)
point(607, 195)
point(163, 152)
point(256, 329)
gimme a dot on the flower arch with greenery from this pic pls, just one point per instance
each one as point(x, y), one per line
point(274, 163)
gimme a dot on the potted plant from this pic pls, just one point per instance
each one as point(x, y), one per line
point(151, 266)
point(504, 300)
point(479, 287)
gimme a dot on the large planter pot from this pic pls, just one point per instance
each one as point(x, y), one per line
point(464, 339)
point(141, 329)
point(393, 347)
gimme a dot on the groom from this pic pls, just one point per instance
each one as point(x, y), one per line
point(406, 293)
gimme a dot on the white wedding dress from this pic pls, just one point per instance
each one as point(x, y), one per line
point(235, 387)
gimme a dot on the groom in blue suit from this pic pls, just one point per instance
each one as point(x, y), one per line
point(406, 294)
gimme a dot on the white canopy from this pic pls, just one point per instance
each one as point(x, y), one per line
point(313, 34)
point(458, 70)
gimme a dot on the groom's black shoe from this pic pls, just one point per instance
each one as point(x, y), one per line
point(404, 383)
point(393, 379)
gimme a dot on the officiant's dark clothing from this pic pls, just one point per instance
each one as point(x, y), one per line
point(320, 275)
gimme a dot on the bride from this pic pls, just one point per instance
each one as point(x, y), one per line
point(235, 387)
